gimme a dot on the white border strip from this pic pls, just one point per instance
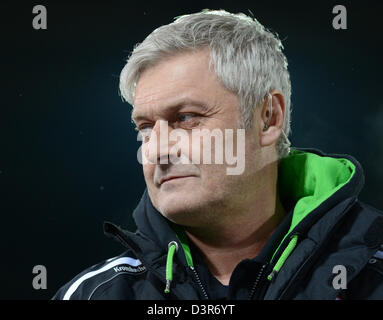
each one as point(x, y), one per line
point(76, 284)
point(379, 255)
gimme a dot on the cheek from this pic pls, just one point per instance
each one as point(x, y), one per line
point(148, 170)
point(213, 177)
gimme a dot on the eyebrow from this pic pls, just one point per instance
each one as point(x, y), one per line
point(184, 102)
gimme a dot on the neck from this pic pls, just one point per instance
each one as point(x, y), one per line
point(227, 243)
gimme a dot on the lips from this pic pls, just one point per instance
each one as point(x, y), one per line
point(172, 178)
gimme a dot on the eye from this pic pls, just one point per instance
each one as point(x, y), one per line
point(144, 132)
point(183, 117)
point(144, 128)
point(188, 120)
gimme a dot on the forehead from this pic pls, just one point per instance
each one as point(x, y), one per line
point(181, 79)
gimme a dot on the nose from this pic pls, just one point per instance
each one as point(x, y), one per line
point(158, 150)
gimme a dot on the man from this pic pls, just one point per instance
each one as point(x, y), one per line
point(286, 225)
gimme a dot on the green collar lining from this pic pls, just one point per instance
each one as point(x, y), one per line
point(307, 180)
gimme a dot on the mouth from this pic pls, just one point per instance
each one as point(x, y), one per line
point(173, 178)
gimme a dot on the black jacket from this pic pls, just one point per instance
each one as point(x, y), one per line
point(329, 245)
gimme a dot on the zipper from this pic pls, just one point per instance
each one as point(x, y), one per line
point(199, 282)
point(257, 280)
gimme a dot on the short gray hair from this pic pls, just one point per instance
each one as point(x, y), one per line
point(247, 59)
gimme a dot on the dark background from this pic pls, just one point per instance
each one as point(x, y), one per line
point(68, 149)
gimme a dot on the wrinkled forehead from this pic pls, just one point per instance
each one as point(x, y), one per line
point(174, 73)
point(182, 80)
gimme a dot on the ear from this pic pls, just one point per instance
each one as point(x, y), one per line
point(273, 121)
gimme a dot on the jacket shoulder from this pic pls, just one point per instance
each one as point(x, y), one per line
point(368, 284)
point(368, 207)
point(85, 285)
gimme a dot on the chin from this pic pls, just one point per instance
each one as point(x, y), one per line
point(180, 208)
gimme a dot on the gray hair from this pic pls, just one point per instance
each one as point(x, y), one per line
point(246, 57)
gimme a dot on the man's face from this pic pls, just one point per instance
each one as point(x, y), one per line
point(182, 91)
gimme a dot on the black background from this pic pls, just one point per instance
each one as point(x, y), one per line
point(68, 149)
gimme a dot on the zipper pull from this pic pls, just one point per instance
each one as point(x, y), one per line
point(282, 259)
point(271, 276)
point(172, 248)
